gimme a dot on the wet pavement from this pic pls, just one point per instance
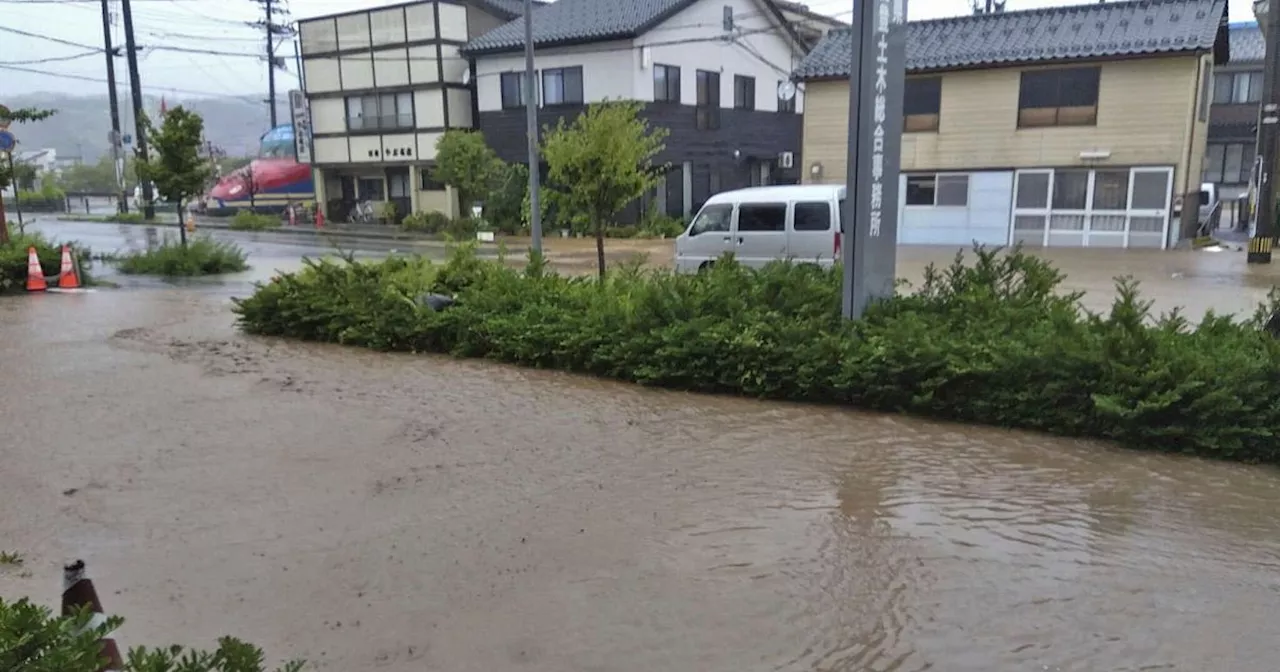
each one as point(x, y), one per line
point(407, 513)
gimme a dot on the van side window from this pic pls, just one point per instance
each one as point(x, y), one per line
point(762, 217)
point(813, 216)
point(712, 218)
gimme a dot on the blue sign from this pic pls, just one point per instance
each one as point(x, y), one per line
point(128, 139)
point(7, 141)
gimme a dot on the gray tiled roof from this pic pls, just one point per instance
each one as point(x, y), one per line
point(1110, 29)
point(1247, 45)
point(565, 22)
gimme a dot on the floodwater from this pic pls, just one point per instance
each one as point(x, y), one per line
point(402, 513)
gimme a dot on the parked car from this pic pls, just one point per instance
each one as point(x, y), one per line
point(764, 224)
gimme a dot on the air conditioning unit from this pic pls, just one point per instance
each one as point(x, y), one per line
point(786, 159)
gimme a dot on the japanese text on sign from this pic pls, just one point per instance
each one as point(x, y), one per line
point(877, 135)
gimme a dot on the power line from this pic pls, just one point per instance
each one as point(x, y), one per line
point(59, 40)
point(53, 59)
point(99, 80)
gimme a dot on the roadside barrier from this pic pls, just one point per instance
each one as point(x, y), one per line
point(67, 278)
point(77, 592)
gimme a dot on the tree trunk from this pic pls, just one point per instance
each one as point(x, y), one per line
point(600, 245)
point(182, 226)
point(4, 223)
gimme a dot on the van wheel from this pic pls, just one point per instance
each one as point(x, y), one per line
point(706, 266)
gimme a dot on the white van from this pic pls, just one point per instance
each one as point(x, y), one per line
point(764, 224)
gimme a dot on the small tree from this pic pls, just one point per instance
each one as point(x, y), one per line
point(177, 170)
point(466, 163)
point(8, 116)
point(602, 161)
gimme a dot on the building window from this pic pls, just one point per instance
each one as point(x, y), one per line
point(512, 90)
point(708, 109)
point(744, 92)
point(921, 104)
point(562, 86)
point(786, 104)
point(1060, 97)
point(1229, 163)
point(372, 189)
point(940, 190)
point(666, 83)
point(380, 111)
point(1237, 88)
point(427, 179)
point(1205, 74)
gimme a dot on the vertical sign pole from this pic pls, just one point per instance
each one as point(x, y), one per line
point(870, 217)
point(1264, 228)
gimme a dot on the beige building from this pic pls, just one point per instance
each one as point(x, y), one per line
point(382, 86)
point(1069, 126)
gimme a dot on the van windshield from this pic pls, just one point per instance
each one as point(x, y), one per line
point(712, 218)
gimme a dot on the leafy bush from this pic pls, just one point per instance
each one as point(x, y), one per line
point(425, 222)
point(13, 260)
point(248, 220)
point(989, 342)
point(32, 639)
point(658, 225)
point(201, 256)
point(127, 218)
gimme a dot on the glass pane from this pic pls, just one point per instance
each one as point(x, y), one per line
point(573, 85)
point(1233, 161)
point(812, 216)
point(1240, 88)
point(1070, 189)
point(659, 82)
point(953, 190)
point(711, 218)
point(762, 217)
point(921, 189)
point(1150, 190)
point(553, 88)
point(1033, 190)
point(1255, 87)
point(1222, 88)
point(1110, 189)
point(1213, 157)
point(1029, 223)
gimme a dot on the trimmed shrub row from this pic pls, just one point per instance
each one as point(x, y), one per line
point(201, 256)
point(993, 341)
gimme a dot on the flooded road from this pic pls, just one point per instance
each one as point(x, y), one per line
point(403, 513)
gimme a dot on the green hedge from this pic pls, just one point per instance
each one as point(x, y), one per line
point(992, 341)
point(200, 256)
point(13, 260)
point(247, 220)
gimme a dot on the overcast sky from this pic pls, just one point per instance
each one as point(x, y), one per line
point(222, 26)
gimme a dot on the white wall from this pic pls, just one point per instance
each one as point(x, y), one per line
point(605, 68)
point(757, 31)
point(986, 218)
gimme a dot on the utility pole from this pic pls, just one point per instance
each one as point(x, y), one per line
point(271, 66)
point(1269, 118)
point(531, 129)
point(122, 201)
point(135, 85)
point(273, 9)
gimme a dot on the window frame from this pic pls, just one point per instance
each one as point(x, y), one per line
point(825, 206)
point(937, 182)
point(707, 104)
point(698, 217)
point(518, 76)
point(427, 180)
point(566, 97)
point(1247, 156)
point(396, 119)
point(922, 113)
point(762, 206)
point(1228, 83)
point(744, 92)
point(1055, 88)
point(667, 84)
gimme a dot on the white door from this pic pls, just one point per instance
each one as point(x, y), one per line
point(811, 235)
point(1030, 225)
point(760, 233)
point(708, 238)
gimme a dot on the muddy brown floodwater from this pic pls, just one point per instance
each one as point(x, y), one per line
point(403, 513)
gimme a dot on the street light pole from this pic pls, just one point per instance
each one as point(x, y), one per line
point(531, 129)
point(1268, 120)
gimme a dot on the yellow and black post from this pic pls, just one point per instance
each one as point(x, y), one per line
point(1268, 124)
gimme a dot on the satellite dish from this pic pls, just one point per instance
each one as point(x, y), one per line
point(786, 90)
point(466, 77)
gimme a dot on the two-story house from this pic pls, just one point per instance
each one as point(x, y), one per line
point(383, 85)
point(1233, 121)
point(714, 73)
point(1065, 126)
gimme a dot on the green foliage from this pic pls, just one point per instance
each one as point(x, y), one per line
point(989, 341)
point(49, 198)
point(11, 558)
point(24, 176)
point(177, 169)
point(466, 163)
point(506, 209)
point(127, 218)
point(658, 225)
point(425, 222)
point(599, 163)
point(13, 260)
point(21, 116)
point(387, 212)
point(32, 639)
point(97, 177)
point(203, 256)
point(248, 220)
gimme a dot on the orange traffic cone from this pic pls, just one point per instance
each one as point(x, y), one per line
point(67, 276)
point(78, 592)
point(35, 274)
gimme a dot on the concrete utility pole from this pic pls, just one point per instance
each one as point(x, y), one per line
point(272, 10)
point(1269, 118)
point(135, 85)
point(122, 199)
point(271, 64)
point(869, 223)
point(531, 129)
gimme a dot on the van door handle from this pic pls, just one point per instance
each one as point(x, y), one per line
point(739, 240)
point(728, 239)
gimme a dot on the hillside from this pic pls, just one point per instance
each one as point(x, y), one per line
point(82, 123)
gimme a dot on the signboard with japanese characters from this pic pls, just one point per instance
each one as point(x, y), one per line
point(301, 113)
point(875, 101)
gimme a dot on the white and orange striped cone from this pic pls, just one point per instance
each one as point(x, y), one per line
point(77, 592)
point(67, 278)
point(35, 274)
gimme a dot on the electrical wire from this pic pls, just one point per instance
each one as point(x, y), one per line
point(50, 38)
point(100, 80)
point(53, 59)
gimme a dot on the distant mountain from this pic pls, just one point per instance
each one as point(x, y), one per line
point(81, 126)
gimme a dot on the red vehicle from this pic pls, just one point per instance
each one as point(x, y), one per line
point(270, 183)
